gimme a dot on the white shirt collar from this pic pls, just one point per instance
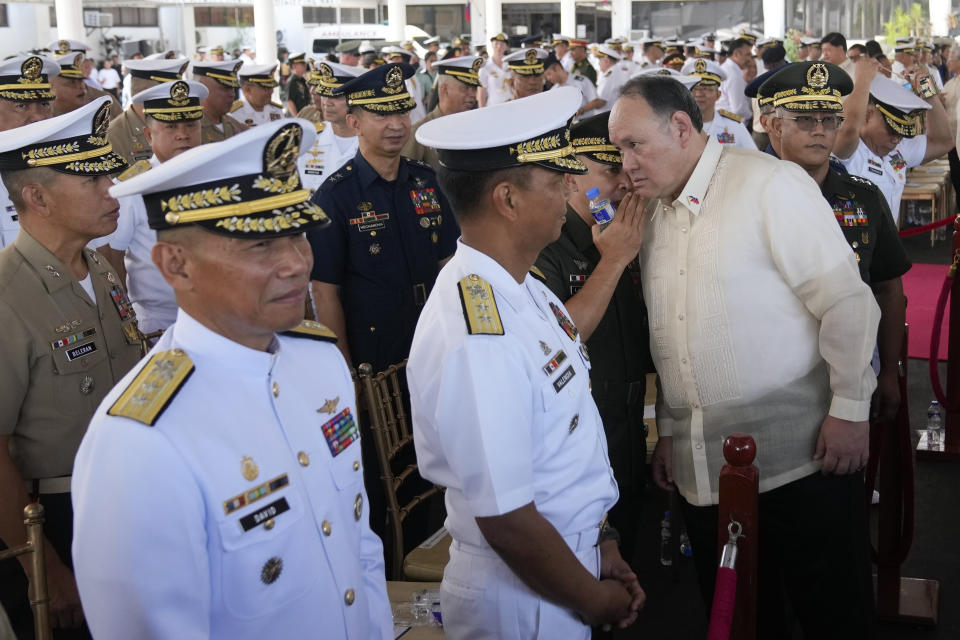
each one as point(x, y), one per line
point(207, 347)
point(692, 194)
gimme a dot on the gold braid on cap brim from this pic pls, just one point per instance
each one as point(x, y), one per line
point(598, 149)
point(807, 99)
point(27, 93)
point(175, 115)
point(905, 126)
point(263, 81)
point(707, 79)
point(400, 103)
point(466, 77)
point(527, 70)
point(226, 79)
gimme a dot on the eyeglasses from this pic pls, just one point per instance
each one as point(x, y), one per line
point(809, 123)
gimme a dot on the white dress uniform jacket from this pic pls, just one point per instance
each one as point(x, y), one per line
point(153, 299)
point(586, 88)
point(494, 78)
point(890, 172)
point(729, 130)
point(608, 86)
point(241, 512)
point(328, 153)
point(251, 117)
point(502, 420)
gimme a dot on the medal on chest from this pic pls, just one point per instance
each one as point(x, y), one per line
point(425, 201)
point(120, 300)
point(849, 213)
point(897, 161)
point(726, 138)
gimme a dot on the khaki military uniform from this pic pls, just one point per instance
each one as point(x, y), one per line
point(126, 136)
point(210, 132)
point(311, 113)
point(60, 353)
point(416, 151)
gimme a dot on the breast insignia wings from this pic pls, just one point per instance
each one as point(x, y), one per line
point(152, 390)
point(479, 306)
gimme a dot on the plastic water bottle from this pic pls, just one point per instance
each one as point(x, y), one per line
point(685, 549)
point(666, 553)
point(601, 210)
point(934, 423)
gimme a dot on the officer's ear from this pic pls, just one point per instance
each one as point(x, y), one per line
point(171, 255)
point(505, 197)
point(353, 122)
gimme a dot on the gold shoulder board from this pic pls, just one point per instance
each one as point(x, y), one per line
point(479, 306)
point(320, 126)
point(236, 105)
point(729, 115)
point(312, 330)
point(152, 390)
point(276, 104)
point(536, 273)
point(134, 170)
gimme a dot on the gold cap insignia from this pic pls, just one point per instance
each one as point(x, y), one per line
point(477, 64)
point(63, 47)
point(281, 153)
point(179, 93)
point(700, 66)
point(101, 121)
point(249, 468)
point(325, 70)
point(31, 68)
point(818, 76)
point(394, 78)
point(530, 57)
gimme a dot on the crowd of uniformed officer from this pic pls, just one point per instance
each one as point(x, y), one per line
point(211, 497)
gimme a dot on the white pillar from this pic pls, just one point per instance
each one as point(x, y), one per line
point(774, 16)
point(939, 10)
point(70, 20)
point(568, 18)
point(42, 22)
point(494, 11)
point(264, 31)
point(396, 19)
point(188, 30)
point(620, 12)
point(478, 23)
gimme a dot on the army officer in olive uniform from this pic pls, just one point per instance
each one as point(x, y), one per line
point(219, 490)
point(597, 277)
point(126, 131)
point(69, 331)
point(807, 130)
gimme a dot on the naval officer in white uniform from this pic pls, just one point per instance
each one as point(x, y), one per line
point(499, 385)
point(219, 489)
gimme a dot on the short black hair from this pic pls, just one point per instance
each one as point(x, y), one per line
point(835, 39)
point(874, 50)
point(665, 96)
point(773, 56)
point(739, 42)
point(859, 47)
point(466, 190)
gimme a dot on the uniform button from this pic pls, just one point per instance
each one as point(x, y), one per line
point(680, 316)
point(372, 329)
point(349, 597)
point(358, 506)
point(356, 465)
point(325, 527)
point(269, 524)
point(303, 458)
point(276, 390)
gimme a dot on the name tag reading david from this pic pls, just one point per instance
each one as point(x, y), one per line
point(257, 518)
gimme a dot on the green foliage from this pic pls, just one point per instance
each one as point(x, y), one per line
point(907, 23)
point(792, 43)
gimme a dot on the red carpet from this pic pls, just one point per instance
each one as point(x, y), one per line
point(922, 286)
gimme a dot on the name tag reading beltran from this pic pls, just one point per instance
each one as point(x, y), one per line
point(260, 516)
point(563, 379)
point(82, 350)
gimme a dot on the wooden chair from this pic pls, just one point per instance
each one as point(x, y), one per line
point(39, 599)
point(386, 397)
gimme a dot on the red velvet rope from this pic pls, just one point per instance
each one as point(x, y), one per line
point(915, 231)
point(935, 343)
point(724, 601)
